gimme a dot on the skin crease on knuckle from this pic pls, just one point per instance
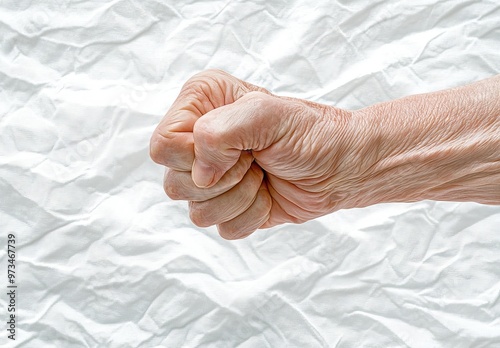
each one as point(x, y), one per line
point(230, 204)
point(157, 147)
point(172, 144)
point(220, 87)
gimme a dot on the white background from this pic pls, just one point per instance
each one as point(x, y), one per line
point(105, 259)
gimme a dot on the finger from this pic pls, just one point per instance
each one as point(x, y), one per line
point(252, 122)
point(171, 143)
point(251, 219)
point(174, 150)
point(230, 204)
point(178, 185)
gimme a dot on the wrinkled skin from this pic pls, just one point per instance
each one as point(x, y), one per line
point(247, 159)
point(284, 175)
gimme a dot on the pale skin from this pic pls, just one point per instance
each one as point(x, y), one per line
point(246, 159)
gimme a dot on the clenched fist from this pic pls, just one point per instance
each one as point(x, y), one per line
point(247, 159)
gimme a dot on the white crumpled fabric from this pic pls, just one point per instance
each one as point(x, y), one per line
point(105, 259)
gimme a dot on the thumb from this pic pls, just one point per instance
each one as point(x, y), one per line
point(250, 123)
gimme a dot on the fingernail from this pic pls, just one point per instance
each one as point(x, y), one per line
point(203, 174)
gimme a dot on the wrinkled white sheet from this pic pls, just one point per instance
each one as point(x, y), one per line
point(105, 259)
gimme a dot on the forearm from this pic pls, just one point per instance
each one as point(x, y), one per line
point(441, 146)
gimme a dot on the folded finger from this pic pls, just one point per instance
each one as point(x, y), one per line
point(179, 185)
point(251, 219)
point(230, 204)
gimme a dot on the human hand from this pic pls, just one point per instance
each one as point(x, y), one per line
point(247, 159)
point(218, 125)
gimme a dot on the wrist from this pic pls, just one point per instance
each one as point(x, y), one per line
point(441, 146)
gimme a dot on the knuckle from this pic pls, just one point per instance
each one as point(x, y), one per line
point(207, 78)
point(189, 90)
point(171, 192)
point(159, 148)
point(258, 99)
point(171, 187)
point(156, 148)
